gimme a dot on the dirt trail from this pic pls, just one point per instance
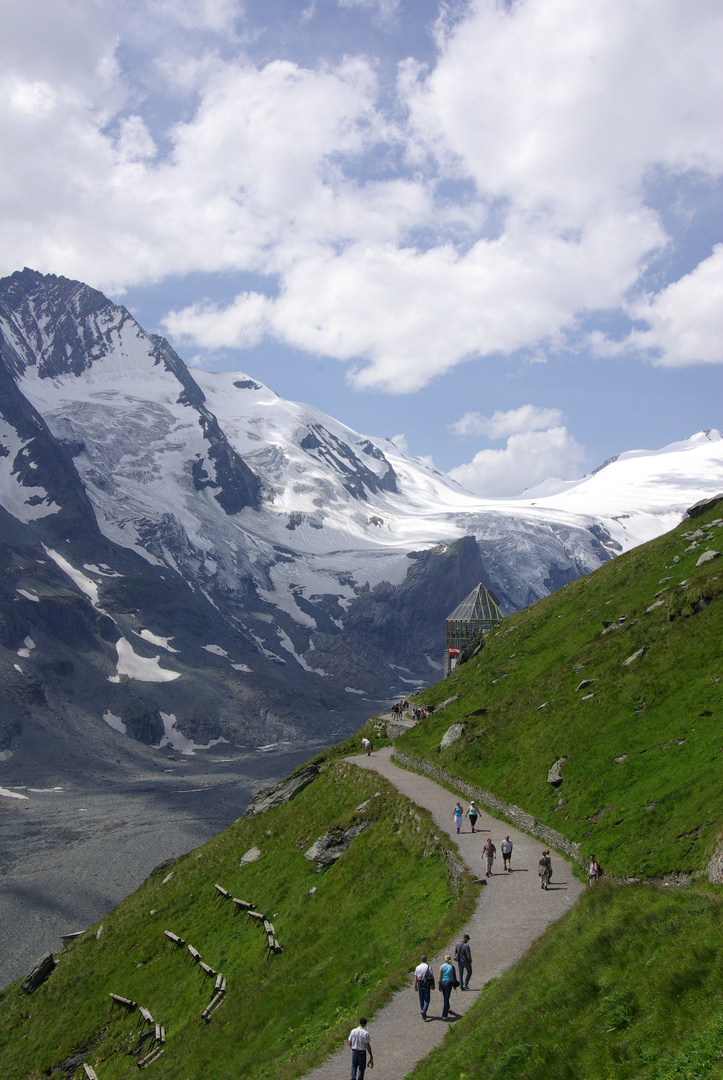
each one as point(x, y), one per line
point(511, 913)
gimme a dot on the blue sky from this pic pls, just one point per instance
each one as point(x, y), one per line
point(491, 229)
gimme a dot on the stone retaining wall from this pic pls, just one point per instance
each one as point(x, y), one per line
point(513, 813)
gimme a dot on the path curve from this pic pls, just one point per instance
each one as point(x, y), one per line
point(511, 913)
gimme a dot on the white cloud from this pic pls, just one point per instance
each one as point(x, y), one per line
point(553, 113)
point(529, 458)
point(501, 424)
point(386, 9)
point(685, 319)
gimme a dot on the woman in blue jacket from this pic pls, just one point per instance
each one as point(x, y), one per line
point(447, 979)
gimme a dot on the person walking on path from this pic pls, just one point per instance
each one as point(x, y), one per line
point(489, 853)
point(424, 984)
point(472, 814)
point(593, 871)
point(367, 747)
point(447, 979)
point(360, 1046)
point(457, 816)
point(463, 956)
point(506, 849)
point(544, 869)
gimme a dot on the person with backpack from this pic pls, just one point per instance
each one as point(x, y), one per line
point(544, 869)
point(424, 984)
point(593, 871)
point(472, 814)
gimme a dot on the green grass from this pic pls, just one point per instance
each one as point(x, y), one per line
point(346, 947)
point(627, 986)
point(658, 808)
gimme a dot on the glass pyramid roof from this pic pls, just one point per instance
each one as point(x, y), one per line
point(480, 606)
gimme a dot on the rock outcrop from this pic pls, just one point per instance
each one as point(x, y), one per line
point(281, 793)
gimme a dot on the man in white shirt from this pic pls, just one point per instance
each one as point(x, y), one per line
point(360, 1046)
point(506, 849)
point(424, 983)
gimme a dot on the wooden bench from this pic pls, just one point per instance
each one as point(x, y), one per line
point(150, 1057)
point(194, 954)
point(176, 941)
point(160, 1033)
point(212, 1005)
point(116, 999)
point(269, 928)
point(145, 1015)
point(255, 915)
point(221, 893)
point(220, 987)
point(240, 905)
point(207, 970)
point(90, 1072)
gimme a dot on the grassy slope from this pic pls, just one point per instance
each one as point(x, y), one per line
point(660, 808)
point(627, 986)
point(281, 1015)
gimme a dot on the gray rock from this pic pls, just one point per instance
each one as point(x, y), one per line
point(707, 556)
point(251, 856)
point(584, 683)
point(444, 704)
point(333, 844)
point(587, 697)
point(715, 866)
point(451, 735)
point(38, 973)
point(281, 793)
point(554, 776)
point(635, 656)
point(658, 603)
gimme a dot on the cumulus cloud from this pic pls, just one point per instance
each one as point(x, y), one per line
point(528, 458)
point(550, 112)
point(500, 424)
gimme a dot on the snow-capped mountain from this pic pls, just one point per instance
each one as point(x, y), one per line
point(287, 568)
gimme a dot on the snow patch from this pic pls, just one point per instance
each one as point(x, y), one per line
point(115, 722)
point(29, 595)
point(215, 649)
point(161, 642)
point(241, 667)
point(83, 582)
point(142, 668)
point(12, 794)
point(178, 741)
point(351, 690)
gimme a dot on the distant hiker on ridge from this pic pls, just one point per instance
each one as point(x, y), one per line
point(367, 747)
point(457, 816)
point(506, 849)
point(360, 1046)
point(472, 814)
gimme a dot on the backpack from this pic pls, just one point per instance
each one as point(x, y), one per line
point(428, 979)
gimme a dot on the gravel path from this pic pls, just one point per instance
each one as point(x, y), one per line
point(511, 913)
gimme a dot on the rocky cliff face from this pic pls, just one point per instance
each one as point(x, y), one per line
point(186, 557)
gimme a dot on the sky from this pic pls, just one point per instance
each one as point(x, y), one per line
point(488, 229)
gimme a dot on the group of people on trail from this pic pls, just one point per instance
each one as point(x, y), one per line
point(424, 981)
point(398, 708)
point(471, 812)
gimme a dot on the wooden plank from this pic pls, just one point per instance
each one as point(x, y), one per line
point(154, 1054)
point(240, 905)
point(223, 894)
point(145, 1014)
point(213, 1004)
point(174, 939)
point(220, 984)
point(160, 1033)
point(256, 915)
point(194, 954)
point(208, 969)
point(116, 999)
point(90, 1072)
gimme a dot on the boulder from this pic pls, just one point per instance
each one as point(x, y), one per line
point(554, 776)
point(38, 973)
point(584, 683)
point(251, 856)
point(635, 656)
point(451, 735)
point(707, 556)
point(281, 793)
point(444, 704)
point(333, 844)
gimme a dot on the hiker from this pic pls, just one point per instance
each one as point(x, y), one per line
point(457, 816)
point(506, 849)
point(424, 983)
point(544, 869)
point(489, 853)
point(472, 814)
point(447, 979)
point(360, 1046)
point(463, 956)
point(367, 747)
point(593, 871)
